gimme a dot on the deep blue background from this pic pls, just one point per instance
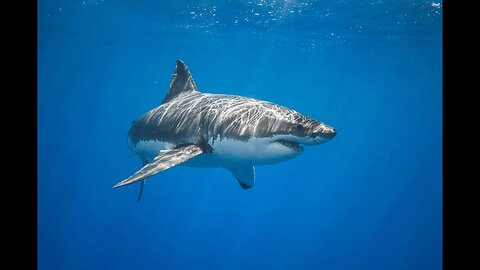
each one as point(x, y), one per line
point(369, 199)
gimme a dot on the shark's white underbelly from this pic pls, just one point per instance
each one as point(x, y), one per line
point(256, 151)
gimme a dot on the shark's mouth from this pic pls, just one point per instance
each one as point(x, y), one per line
point(292, 145)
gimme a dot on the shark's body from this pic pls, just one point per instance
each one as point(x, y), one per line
point(214, 130)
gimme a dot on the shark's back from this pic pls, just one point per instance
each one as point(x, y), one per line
point(196, 116)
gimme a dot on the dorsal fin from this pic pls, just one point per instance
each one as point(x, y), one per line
point(182, 81)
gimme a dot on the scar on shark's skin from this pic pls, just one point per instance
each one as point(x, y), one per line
point(196, 129)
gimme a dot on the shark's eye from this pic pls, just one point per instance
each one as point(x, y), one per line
point(299, 127)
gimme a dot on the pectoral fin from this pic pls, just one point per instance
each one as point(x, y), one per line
point(165, 160)
point(245, 175)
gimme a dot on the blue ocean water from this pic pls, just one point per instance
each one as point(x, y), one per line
point(371, 198)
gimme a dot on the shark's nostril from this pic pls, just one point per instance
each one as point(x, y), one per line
point(325, 134)
point(329, 135)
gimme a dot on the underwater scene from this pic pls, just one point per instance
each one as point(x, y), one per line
point(281, 134)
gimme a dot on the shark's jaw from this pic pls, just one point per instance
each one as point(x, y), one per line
point(296, 143)
point(291, 144)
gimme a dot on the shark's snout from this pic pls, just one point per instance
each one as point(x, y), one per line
point(326, 134)
point(323, 133)
point(318, 134)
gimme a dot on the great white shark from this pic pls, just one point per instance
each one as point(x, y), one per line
point(198, 129)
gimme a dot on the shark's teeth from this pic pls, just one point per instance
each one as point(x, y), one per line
point(292, 145)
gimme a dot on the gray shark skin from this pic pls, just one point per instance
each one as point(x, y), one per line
point(198, 129)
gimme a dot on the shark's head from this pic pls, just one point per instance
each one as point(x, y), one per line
point(309, 131)
point(293, 129)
